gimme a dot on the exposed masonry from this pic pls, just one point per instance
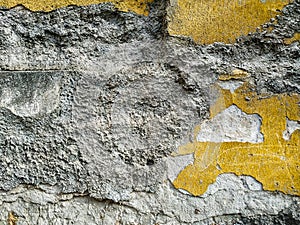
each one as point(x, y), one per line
point(107, 96)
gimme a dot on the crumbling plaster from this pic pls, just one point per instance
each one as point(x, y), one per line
point(96, 104)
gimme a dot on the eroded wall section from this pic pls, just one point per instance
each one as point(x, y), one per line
point(149, 112)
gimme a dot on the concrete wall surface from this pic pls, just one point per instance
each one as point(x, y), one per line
point(150, 112)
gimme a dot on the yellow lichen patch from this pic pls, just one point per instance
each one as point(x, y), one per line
point(137, 6)
point(273, 162)
point(209, 21)
point(296, 37)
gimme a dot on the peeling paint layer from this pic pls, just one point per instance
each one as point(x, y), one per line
point(221, 20)
point(274, 162)
point(137, 6)
point(177, 164)
point(295, 38)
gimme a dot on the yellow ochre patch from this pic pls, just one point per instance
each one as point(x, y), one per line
point(296, 37)
point(208, 21)
point(273, 162)
point(137, 6)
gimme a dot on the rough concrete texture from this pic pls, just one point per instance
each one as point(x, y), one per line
point(94, 102)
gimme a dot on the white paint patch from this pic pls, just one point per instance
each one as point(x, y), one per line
point(230, 85)
point(251, 183)
point(291, 127)
point(232, 125)
point(231, 182)
point(177, 164)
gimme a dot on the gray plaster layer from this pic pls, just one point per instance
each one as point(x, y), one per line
point(233, 203)
point(231, 125)
point(106, 97)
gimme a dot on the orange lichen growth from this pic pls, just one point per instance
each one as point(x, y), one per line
point(274, 162)
point(220, 20)
point(137, 6)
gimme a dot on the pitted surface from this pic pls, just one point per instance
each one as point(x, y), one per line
point(96, 102)
point(149, 112)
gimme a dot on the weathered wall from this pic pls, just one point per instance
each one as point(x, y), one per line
point(150, 112)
